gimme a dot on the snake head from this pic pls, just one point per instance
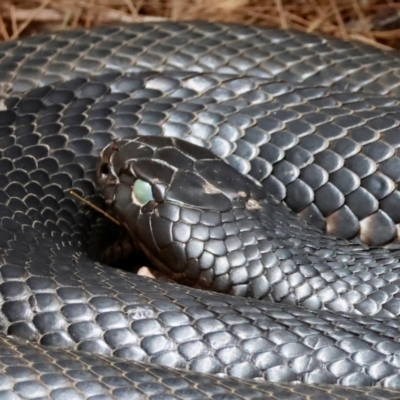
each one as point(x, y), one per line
point(172, 197)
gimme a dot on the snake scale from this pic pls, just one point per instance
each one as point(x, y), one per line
point(315, 121)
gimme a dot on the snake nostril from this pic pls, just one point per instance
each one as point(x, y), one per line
point(104, 171)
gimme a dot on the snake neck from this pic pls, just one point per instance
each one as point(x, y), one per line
point(262, 250)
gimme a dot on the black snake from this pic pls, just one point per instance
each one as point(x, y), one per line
point(314, 120)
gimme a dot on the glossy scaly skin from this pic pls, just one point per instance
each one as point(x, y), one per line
point(52, 292)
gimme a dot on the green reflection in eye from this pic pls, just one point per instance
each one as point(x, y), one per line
point(142, 191)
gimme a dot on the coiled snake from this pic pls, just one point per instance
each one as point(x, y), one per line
point(314, 120)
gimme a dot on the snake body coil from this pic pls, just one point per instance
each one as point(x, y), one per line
point(315, 121)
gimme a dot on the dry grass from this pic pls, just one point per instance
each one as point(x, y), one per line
point(370, 21)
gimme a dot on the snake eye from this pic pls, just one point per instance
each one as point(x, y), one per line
point(141, 192)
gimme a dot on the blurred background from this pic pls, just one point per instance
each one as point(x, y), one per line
point(370, 21)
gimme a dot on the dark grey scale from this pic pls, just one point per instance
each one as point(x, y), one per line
point(299, 195)
point(391, 137)
point(30, 139)
point(214, 118)
point(217, 233)
point(245, 150)
point(63, 180)
point(256, 136)
point(378, 151)
point(51, 203)
point(238, 163)
point(284, 139)
point(90, 113)
point(314, 116)
point(148, 130)
point(382, 124)
point(39, 175)
point(176, 130)
point(55, 191)
point(391, 168)
point(99, 139)
point(345, 180)
point(4, 181)
point(378, 228)
point(147, 117)
point(388, 206)
point(271, 153)
point(210, 218)
point(364, 135)
point(180, 116)
point(342, 223)
point(299, 157)
point(360, 165)
point(329, 160)
point(233, 241)
point(81, 146)
point(267, 123)
point(314, 176)
point(181, 232)
point(35, 189)
point(75, 132)
point(20, 176)
point(7, 141)
point(335, 109)
point(13, 152)
point(206, 261)
point(328, 199)
point(16, 205)
point(378, 185)
point(299, 128)
point(15, 189)
point(248, 238)
point(170, 212)
point(24, 126)
point(345, 147)
point(123, 119)
point(123, 105)
point(362, 203)
point(313, 215)
point(99, 124)
point(260, 169)
point(62, 156)
point(330, 131)
point(54, 141)
point(274, 187)
point(92, 90)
